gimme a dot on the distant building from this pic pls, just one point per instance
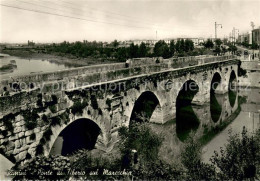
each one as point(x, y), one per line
point(256, 36)
point(31, 43)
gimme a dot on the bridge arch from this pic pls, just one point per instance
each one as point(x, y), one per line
point(79, 134)
point(186, 119)
point(82, 121)
point(147, 108)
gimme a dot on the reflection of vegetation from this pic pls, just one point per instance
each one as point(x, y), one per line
point(186, 122)
point(215, 108)
point(210, 134)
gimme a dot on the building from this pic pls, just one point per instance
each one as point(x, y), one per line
point(256, 36)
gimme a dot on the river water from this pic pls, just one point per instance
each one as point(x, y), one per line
point(27, 66)
point(249, 117)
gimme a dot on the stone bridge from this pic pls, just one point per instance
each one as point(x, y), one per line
point(36, 108)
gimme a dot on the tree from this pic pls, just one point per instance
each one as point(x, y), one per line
point(240, 158)
point(209, 44)
point(142, 51)
point(115, 43)
point(161, 49)
point(188, 45)
point(172, 47)
point(133, 51)
point(218, 42)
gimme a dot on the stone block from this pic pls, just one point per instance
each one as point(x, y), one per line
point(37, 130)
point(17, 129)
point(18, 144)
point(16, 151)
point(14, 137)
point(28, 140)
point(21, 134)
point(28, 133)
point(10, 145)
point(25, 147)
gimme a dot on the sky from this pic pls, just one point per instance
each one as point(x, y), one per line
point(44, 21)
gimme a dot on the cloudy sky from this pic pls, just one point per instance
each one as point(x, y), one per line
point(106, 20)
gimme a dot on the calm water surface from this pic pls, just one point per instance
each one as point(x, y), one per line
point(28, 66)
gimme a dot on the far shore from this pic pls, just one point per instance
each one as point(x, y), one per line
point(64, 59)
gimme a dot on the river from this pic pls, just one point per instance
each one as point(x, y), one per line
point(27, 66)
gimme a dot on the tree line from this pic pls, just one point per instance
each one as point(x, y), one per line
point(113, 51)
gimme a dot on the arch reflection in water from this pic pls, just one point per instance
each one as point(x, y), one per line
point(215, 107)
point(232, 89)
point(80, 134)
point(186, 119)
point(146, 108)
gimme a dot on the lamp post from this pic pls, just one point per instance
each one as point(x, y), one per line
point(216, 26)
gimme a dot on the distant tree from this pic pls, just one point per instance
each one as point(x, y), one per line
point(133, 51)
point(115, 43)
point(121, 54)
point(142, 51)
point(254, 46)
point(209, 44)
point(161, 49)
point(172, 47)
point(188, 45)
point(177, 45)
point(182, 45)
point(218, 42)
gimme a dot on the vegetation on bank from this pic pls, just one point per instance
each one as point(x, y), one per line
point(139, 159)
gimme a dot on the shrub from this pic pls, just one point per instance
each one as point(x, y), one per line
point(32, 136)
point(55, 121)
point(240, 158)
point(45, 118)
point(141, 138)
point(7, 120)
point(53, 108)
point(39, 150)
point(54, 99)
point(78, 106)
point(30, 118)
point(94, 103)
point(47, 134)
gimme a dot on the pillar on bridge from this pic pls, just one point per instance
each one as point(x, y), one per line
point(202, 96)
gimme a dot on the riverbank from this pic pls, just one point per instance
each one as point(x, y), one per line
point(66, 60)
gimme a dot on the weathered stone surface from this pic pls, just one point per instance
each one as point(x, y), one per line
point(21, 134)
point(10, 145)
point(37, 130)
point(14, 137)
point(28, 140)
point(17, 129)
point(28, 133)
point(18, 144)
point(22, 155)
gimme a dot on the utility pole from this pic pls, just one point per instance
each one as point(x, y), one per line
point(216, 26)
